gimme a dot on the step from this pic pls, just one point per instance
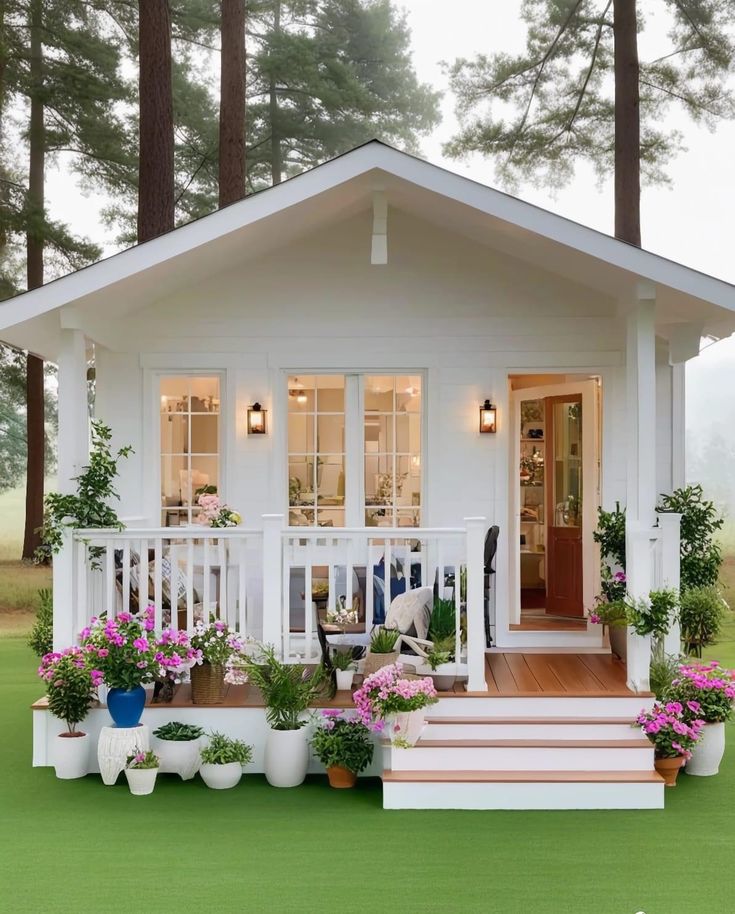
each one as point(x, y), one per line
point(536, 706)
point(529, 728)
point(522, 790)
point(524, 755)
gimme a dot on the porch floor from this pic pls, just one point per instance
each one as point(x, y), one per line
point(555, 674)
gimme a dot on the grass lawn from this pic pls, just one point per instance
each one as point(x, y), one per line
point(77, 846)
point(19, 581)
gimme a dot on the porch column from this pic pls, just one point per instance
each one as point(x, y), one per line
point(640, 365)
point(670, 525)
point(73, 451)
point(476, 644)
point(273, 595)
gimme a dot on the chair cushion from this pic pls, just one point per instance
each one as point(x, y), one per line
point(410, 612)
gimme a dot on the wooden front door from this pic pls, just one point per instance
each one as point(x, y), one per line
point(564, 500)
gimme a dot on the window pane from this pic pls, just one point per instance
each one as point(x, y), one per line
point(330, 517)
point(174, 433)
point(301, 517)
point(378, 393)
point(300, 481)
point(174, 394)
point(300, 433)
point(171, 478)
point(331, 481)
point(204, 434)
point(204, 394)
point(330, 393)
point(301, 397)
point(403, 434)
point(331, 434)
point(379, 517)
point(204, 472)
point(408, 394)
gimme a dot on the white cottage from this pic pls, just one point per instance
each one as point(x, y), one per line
point(376, 362)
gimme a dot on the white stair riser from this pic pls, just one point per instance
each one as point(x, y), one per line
point(529, 731)
point(569, 795)
point(530, 758)
point(533, 707)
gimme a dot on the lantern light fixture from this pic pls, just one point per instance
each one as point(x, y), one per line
point(488, 418)
point(256, 419)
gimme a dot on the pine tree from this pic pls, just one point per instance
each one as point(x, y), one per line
point(579, 92)
point(232, 102)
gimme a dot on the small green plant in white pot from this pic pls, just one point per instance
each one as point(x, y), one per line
point(222, 761)
point(289, 689)
point(344, 668)
point(440, 660)
point(178, 746)
point(141, 771)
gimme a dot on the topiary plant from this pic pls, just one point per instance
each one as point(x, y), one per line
point(41, 637)
point(701, 556)
point(702, 614)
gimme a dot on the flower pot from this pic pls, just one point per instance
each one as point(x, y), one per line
point(208, 684)
point(71, 755)
point(618, 640)
point(126, 706)
point(374, 662)
point(406, 727)
point(669, 768)
point(344, 679)
point(341, 777)
point(141, 780)
point(221, 777)
point(708, 752)
point(444, 677)
point(179, 756)
point(286, 757)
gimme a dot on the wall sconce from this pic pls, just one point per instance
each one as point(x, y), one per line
point(256, 419)
point(488, 418)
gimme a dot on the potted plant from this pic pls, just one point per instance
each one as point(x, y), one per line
point(386, 698)
point(214, 644)
point(288, 690)
point(706, 692)
point(141, 771)
point(215, 513)
point(613, 616)
point(71, 688)
point(443, 670)
point(702, 614)
point(222, 760)
point(344, 668)
point(673, 737)
point(177, 746)
point(382, 651)
point(343, 745)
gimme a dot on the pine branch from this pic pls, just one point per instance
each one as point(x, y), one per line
point(588, 75)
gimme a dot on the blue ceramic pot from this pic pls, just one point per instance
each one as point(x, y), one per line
point(126, 706)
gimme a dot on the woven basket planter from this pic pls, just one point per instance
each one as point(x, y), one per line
point(375, 662)
point(208, 684)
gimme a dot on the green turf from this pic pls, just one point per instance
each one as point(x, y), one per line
point(77, 846)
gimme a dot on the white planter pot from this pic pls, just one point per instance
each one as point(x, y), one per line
point(221, 777)
point(286, 757)
point(141, 780)
point(344, 679)
point(406, 727)
point(444, 677)
point(707, 754)
point(179, 757)
point(71, 756)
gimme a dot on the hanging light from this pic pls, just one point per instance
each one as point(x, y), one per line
point(256, 419)
point(297, 392)
point(488, 418)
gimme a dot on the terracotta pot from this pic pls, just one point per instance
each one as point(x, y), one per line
point(669, 768)
point(341, 777)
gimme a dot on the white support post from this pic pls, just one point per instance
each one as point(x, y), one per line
point(273, 525)
point(670, 525)
point(641, 470)
point(476, 527)
point(73, 451)
point(64, 594)
point(639, 579)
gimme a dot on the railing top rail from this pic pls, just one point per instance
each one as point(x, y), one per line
point(375, 532)
point(166, 533)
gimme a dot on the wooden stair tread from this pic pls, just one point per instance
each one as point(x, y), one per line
point(523, 777)
point(528, 720)
point(538, 743)
point(541, 696)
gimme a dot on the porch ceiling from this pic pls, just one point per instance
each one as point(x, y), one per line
point(245, 231)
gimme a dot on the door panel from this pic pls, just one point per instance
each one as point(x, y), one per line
point(564, 506)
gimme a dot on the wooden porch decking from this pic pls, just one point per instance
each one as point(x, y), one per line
point(555, 674)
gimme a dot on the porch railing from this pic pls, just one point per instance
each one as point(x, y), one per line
point(273, 584)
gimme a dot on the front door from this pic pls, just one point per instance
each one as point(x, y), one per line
point(564, 499)
point(555, 482)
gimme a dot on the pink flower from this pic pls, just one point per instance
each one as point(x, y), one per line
point(141, 664)
point(594, 618)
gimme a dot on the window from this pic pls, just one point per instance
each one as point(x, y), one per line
point(190, 444)
point(316, 450)
point(392, 453)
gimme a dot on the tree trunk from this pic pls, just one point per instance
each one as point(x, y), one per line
point(35, 419)
point(276, 155)
point(232, 102)
point(156, 163)
point(627, 124)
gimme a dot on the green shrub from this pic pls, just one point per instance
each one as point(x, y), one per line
point(342, 741)
point(701, 556)
point(663, 671)
point(343, 660)
point(222, 750)
point(610, 534)
point(655, 615)
point(41, 637)
point(178, 733)
point(383, 641)
point(288, 688)
point(443, 623)
point(703, 612)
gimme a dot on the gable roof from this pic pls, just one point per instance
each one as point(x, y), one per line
point(267, 219)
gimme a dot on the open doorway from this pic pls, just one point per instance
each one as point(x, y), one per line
point(556, 446)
